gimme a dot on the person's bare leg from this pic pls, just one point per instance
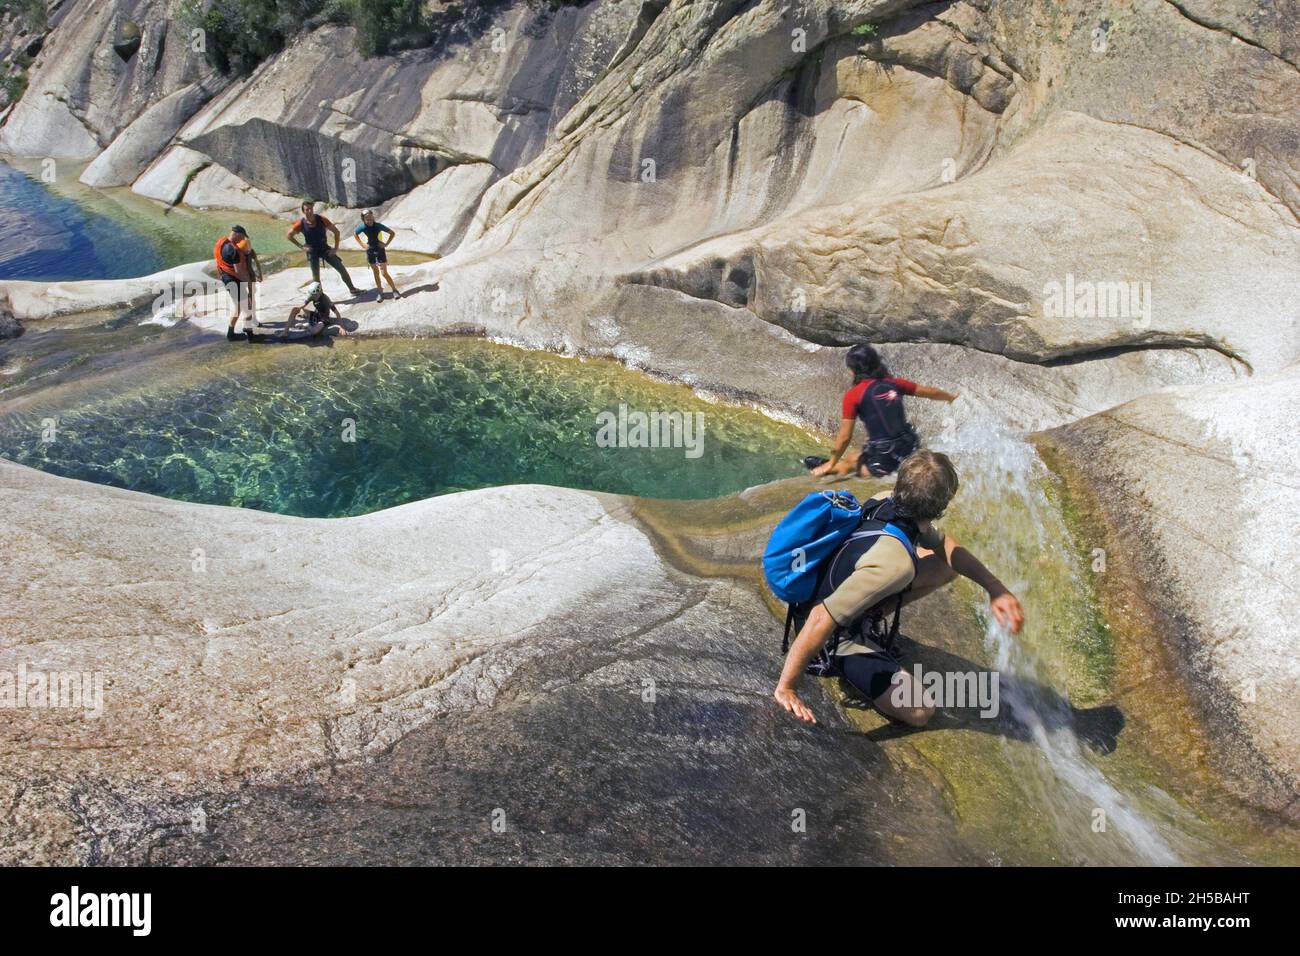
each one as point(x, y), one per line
point(235, 299)
point(379, 285)
point(246, 306)
point(905, 701)
point(391, 283)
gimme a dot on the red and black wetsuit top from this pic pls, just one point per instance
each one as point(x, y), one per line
point(879, 403)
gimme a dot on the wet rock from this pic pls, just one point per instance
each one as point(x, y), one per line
point(1194, 492)
point(10, 327)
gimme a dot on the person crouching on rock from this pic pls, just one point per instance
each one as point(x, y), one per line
point(316, 312)
point(376, 255)
point(876, 397)
point(871, 577)
point(314, 228)
point(238, 268)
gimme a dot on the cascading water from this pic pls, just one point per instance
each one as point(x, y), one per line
point(1007, 517)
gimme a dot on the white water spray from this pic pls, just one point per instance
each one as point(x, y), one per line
point(1024, 539)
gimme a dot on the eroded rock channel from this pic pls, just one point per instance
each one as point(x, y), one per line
point(718, 196)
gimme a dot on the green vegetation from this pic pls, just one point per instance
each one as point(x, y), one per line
point(31, 13)
point(383, 24)
point(12, 87)
point(240, 34)
point(867, 30)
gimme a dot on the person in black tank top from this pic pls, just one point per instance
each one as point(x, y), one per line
point(875, 398)
point(315, 231)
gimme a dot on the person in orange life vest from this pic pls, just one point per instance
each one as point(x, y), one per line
point(238, 268)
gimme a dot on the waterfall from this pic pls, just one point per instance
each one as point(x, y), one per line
point(1004, 513)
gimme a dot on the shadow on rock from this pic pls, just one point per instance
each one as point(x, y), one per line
point(1023, 704)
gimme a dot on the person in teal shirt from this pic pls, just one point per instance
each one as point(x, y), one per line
point(375, 245)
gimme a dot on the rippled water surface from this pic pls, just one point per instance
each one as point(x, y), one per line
point(57, 229)
point(364, 425)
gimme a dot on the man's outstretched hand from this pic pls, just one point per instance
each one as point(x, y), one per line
point(791, 702)
point(1007, 611)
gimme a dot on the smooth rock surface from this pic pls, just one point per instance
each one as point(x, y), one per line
point(45, 300)
point(135, 147)
point(244, 649)
point(1200, 489)
point(82, 94)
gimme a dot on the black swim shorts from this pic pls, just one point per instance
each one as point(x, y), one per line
point(883, 456)
point(871, 673)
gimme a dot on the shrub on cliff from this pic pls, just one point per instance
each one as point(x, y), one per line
point(239, 34)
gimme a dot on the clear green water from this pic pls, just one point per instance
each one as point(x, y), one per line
point(267, 427)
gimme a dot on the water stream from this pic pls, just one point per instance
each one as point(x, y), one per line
point(167, 411)
point(1076, 774)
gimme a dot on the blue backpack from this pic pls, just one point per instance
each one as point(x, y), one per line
point(812, 531)
point(807, 549)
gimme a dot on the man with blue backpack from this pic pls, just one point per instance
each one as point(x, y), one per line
point(845, 568)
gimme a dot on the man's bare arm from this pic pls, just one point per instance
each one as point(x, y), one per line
point(812, 636)
point(935, 394)
point(1005, 606)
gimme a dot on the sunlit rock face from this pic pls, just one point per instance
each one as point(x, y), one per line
point(83, 92)
point(320, 120)
point(424, 616)
point(1053, 208)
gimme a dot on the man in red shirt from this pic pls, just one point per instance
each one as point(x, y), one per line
point(238, 268)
